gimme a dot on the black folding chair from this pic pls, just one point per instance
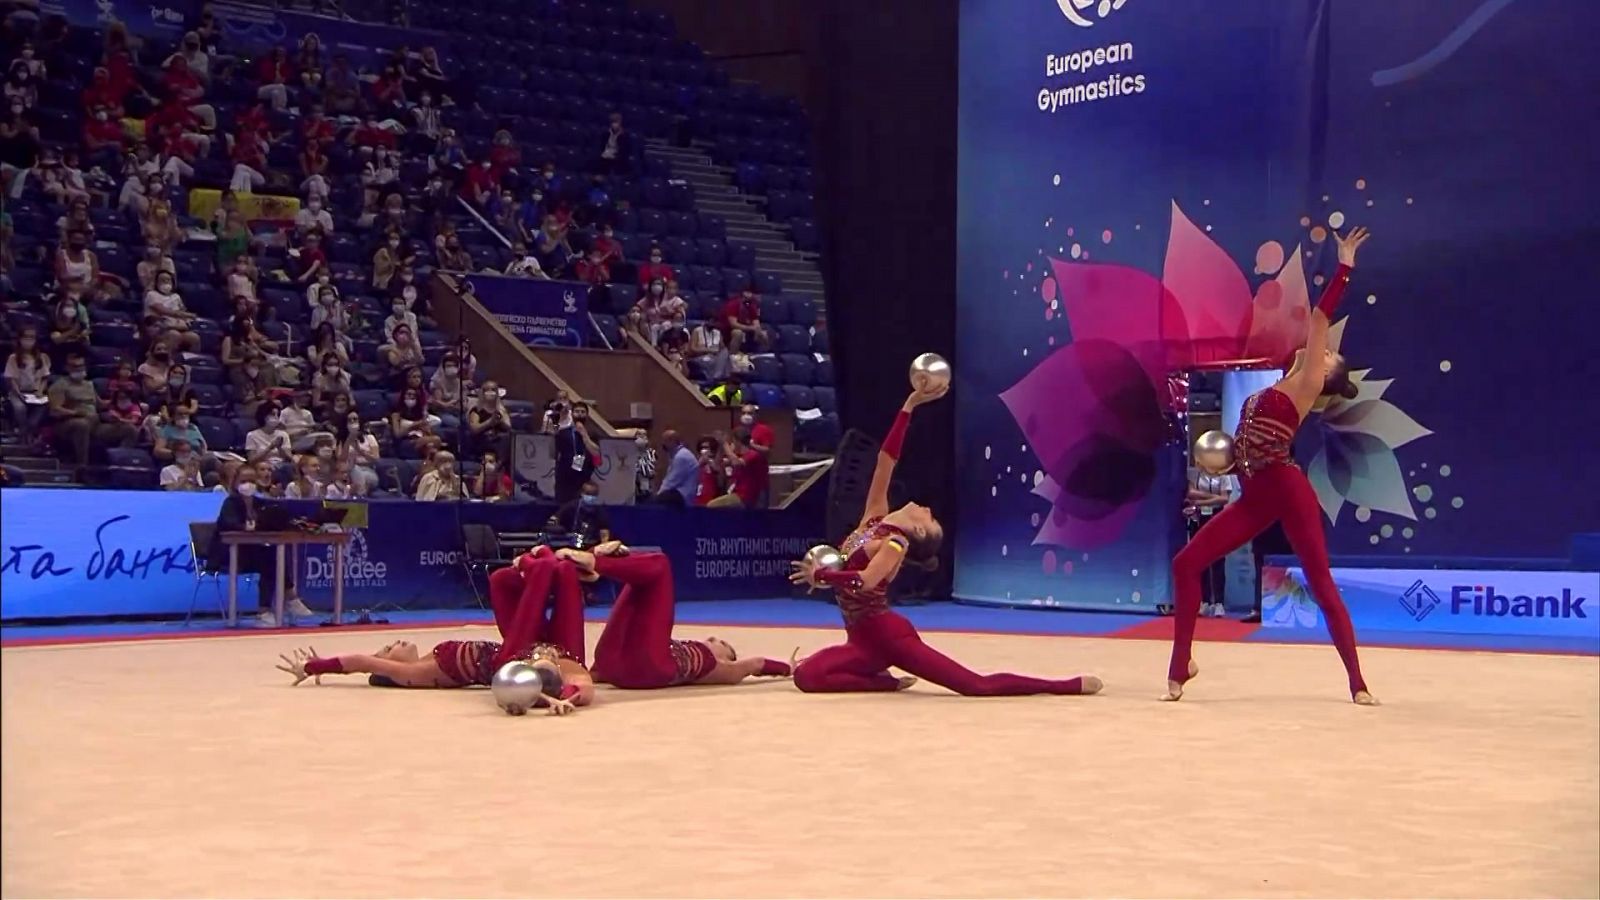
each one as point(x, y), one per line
point(482, 554)
point(200, 535)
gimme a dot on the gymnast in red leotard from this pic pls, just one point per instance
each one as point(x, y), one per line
point(535, 584)
point(878, 637)
point(1276, 490)
point(637, 650)
point(452, 664)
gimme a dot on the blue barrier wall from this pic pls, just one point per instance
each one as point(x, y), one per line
point(109, 553)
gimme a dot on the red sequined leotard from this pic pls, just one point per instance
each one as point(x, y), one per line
point(693, 660)
point(1267, 424)
point(467, 662)
point(855, 602)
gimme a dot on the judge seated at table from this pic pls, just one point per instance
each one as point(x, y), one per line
point(584, 520)
point(244, 510)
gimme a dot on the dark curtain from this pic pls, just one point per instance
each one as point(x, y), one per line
point(885, 79)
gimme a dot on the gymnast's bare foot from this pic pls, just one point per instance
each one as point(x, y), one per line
point(905, 682)
point(1175, 688)
point(1365, 698)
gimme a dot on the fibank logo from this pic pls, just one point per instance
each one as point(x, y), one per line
point(1484, 600)
point(1419, 600)
point(1078, 12)
point(359, 569)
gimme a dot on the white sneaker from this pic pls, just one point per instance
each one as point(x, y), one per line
point(297, 608)
point(266, 619)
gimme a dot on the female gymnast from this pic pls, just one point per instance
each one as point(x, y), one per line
point(636, 650)
point(877, 636)
point(1274, 489)
point(452, 664)
point(523, 593)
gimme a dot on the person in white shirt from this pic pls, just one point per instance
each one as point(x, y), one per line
point(307, 484)
point(166, 304)
point(330, 381)
point(401, 314)
point(312, 215)
point(268, 443)
point(298, 420)
point(27, 378)
point(441, 482)
point(447, 392)
point(358, 447)
point(343, 485)
point(524, 264)
point(183, 474)
point(708, 356)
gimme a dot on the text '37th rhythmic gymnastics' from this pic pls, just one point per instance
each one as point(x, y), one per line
point(1082, 62)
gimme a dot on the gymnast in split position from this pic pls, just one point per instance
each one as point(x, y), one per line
point(878, 637)
point(637, 650)
point(1276, 490)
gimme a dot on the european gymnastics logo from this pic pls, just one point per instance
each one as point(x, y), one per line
point(1077, 11)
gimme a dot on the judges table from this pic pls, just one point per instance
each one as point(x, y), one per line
point(281, 541)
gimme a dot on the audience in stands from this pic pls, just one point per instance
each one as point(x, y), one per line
point(76, 414)
point(492, 483)
point(442, 481)
point(748, 483)
point(27, 378)
point(583, 517)
point(183, 472)
point(712, 475)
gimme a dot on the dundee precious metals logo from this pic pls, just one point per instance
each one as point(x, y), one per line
point(1419, 600)
point(1084, 13)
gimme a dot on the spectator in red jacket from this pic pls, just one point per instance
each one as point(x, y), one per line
point(592, 269)
point(505, 159)
point(741, 323)
point(369, 135)
point(179, 85)
point(317, 128)
point(610, 247)
point(102, 92)
point(274, 75)
point(311, 260)
point(103, 140)
point(655, 268)
point(480, 183)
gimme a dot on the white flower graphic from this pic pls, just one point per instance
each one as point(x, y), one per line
point(1355, 462)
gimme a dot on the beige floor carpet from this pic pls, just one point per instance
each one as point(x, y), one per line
point(191, 769)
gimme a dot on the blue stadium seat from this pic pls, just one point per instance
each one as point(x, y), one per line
point(802, 310)
point(741, 255)
point(371, 404)
point(798, 396)
point(774, 311)
point(767, 368)
point(735, 280)
point(823, 374)
point(826, 401)
point(769, 283)
point(792, 338)
point(611, 330)
point(798, 369)
point(710, 252)
point(713, 226)
point(765, 395)
point(621, 297)
point(131, 468)
point(218, 432)
point(210, 397)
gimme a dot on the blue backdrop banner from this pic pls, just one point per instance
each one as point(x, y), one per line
point(165, 19)
point(542, 313)
point(109, 553)
point(1149, 186)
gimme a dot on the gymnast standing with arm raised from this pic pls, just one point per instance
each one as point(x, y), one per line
point(878, 637)
point(1274, 489)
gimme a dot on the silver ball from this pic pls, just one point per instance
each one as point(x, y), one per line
point(824, 557)
point(930, 371)
point(517, 687)
point(1213, 452)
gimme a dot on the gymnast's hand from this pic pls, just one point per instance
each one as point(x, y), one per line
point(1350, 243)
point(919, 397)
point(559, 707)
point(611, 548)
point(802, 574)
point(296, 666)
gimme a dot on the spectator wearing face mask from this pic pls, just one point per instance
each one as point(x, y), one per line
point(313, 216)
point(583, 517)
point(741, 323)
point(591, 269)
point(425, 128)
point(480, 183)
point(331, 379)
point(386, 262)
point(728, 393)
point(524, 264)
point(708, 355)
point(654, 268)
point(442, 482)
point(448, 392)
point(307, 483)
point(253, 381)
point(616, 148)
point(761, 435)
point(343, 485)
point(644, 467)
point(409, 420)
point(27, 378)
point(402, 352)
point(69, 327)
point(711, 480)
point(329, 311)
point(679, 484)
point(577, 454)
point(551, 245)
point(749, 482)
point(103, 139)
point(610, 248)
point(178, 428)
point(505, 159)
point(176, 396)
point(243, 510)
point(183, 472)
point(453, 257)
point(359, 447)
point(489, 422)
point(75, 413)
point(298, 420)
point(166, 304)
point(269, 443)
point(493, 483)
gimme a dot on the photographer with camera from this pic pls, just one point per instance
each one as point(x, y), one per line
point(577, 454)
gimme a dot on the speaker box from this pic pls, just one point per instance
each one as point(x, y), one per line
point(853, 462)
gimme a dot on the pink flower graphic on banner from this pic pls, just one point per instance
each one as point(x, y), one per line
point(1094, 411)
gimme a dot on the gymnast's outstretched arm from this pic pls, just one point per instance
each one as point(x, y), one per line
point(889, 452)
point(419, 673)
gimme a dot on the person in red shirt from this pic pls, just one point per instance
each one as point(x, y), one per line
point(741, 323)
point(369, 135)
point(592, 269)
point(505, 158)
point(103, 140)
point(274, 74)
point(655, 268)
point(389, 91)
point(317, 128)
point(610, 248)
point(480, 183)
point(761, 435)
point(749, 482)
point(311, 261)
point(103, 93)
point(181, 86)
point(249, 159)
point(709, 462)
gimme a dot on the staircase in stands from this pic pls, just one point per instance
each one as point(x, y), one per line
point(714, 192)
point(41, 471)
